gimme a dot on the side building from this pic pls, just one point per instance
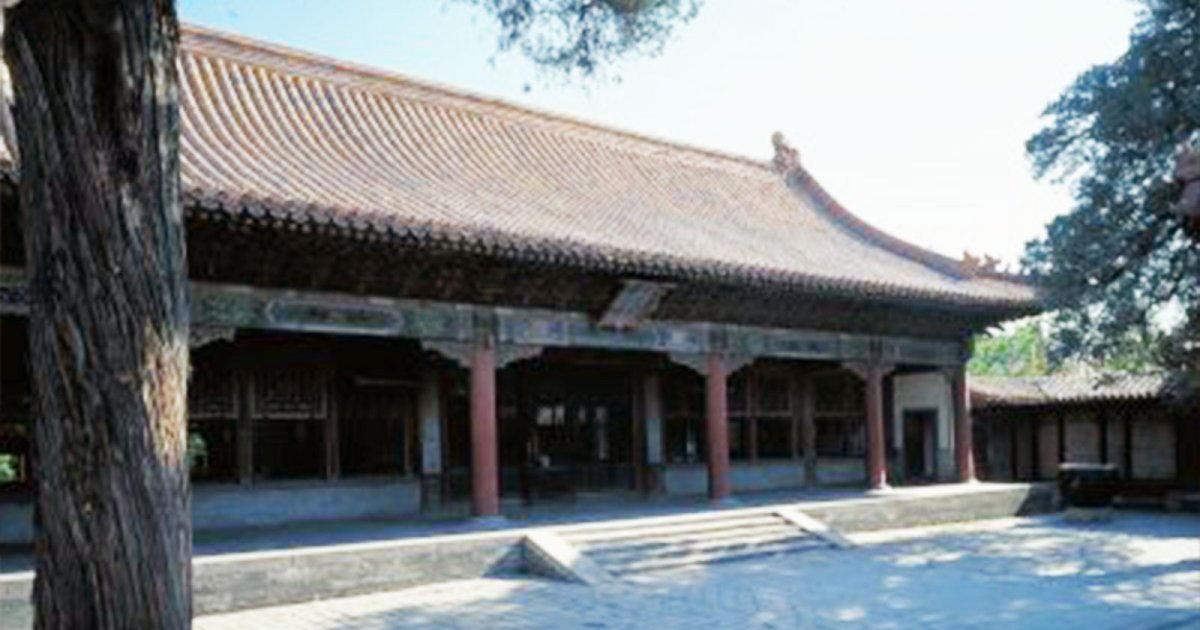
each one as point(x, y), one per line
point(1027, 426)
point(413, 300)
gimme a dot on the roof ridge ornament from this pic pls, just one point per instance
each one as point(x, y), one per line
point(974, 266)
point(786, 157)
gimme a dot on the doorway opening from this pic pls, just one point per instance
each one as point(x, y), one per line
point(920, 441)
point(573, 431)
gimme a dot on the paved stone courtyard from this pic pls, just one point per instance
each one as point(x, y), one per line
point(1137, 571)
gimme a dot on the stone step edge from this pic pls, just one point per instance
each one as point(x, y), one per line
point(606, 547)
point(714, 512)
point(710, 558)
point(617, 532)
point(815, 527)
point(729, 545)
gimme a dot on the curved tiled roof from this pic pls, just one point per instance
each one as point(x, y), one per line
point(295, 138)
point(1005, 391)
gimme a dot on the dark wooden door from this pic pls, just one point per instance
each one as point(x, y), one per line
point(918, 436)
point(377, 432)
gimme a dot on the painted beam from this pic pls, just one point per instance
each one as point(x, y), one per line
point(227, 306)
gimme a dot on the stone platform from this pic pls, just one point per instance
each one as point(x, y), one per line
point(256, 568)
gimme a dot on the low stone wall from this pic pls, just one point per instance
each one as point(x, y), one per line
point(685, 479)
point(692, 479)
point(229, 507)
point(239, 581)
point(15, 610)
point(16, 521)
point(765, 475)
point(938, 506)
point(221, 507)
point(841, 471)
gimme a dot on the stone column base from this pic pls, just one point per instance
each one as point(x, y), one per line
point(431, 494)
point(654, 479)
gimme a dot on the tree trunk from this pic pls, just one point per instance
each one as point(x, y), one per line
point(97, 122)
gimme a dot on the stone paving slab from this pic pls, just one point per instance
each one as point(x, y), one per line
point(1137, 571)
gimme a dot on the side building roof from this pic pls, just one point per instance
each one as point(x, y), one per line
point(274, 134)
point(1018, 391)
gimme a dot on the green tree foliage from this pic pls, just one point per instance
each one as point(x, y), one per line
point(1019, 352)
point(1024, 351)
point(1140, 350)
point(579, 37)
point(1121, 256)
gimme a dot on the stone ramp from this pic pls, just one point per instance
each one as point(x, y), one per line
point(606, 551)
point(548, 554)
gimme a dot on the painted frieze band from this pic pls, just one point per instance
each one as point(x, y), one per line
point(232, 306)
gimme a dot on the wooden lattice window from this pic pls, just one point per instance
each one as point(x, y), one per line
point(683, 428)
point(212, 393)
point(289, 406)
point(212, 424)
point(840, 415)
point(737, 391)
point(290, 393)
point(760, 414)
point(774, 415)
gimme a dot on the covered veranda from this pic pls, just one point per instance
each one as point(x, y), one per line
point(302, 408)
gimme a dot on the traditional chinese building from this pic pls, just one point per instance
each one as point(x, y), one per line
point(412, 299)
point(1028, 426)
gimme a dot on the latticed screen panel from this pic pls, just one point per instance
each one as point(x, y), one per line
point(840, 414)
point(290, 394)
point(841, 436)
point(839, 393)
point(683, 422)
point(212, 393)
point(212, 423)
point(774, 394)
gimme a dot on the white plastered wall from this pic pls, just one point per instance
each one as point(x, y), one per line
point(926, 391)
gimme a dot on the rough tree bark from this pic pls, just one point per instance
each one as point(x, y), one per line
point(95, 100)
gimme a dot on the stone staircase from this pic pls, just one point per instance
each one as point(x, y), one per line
point(631, 547)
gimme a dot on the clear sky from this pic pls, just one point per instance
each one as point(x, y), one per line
point(912, 113)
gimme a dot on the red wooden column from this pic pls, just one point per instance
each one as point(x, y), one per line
point(751, 407)
point(485, 479)
point(872, 374)
point(876, 454)
point(808, 427)
point(717, 416)
point(963, 438)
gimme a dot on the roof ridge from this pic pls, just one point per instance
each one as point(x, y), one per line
point(228, 42)
point(876, 236)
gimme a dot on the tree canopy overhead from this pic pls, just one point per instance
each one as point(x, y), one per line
point(579, 37)
point(1121, 263)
